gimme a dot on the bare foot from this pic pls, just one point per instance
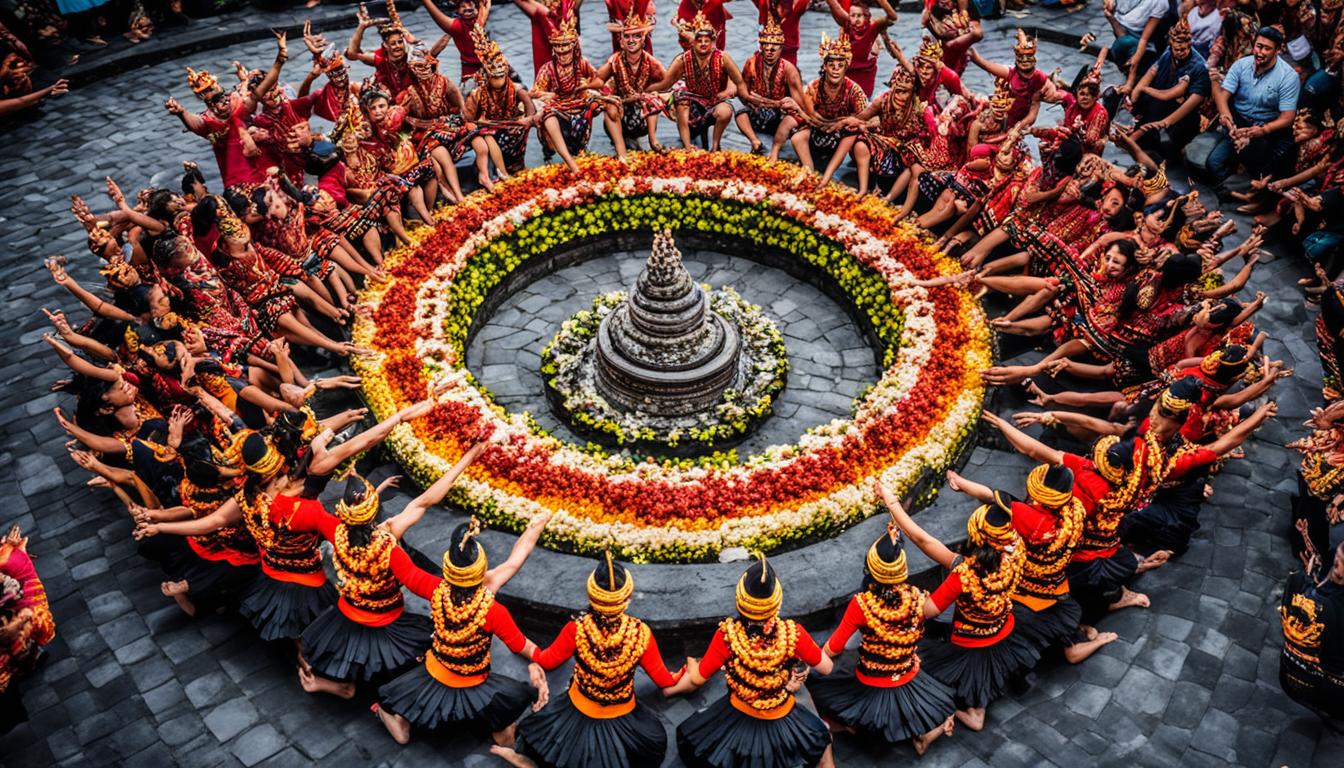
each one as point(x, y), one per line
point(1129, 598)
point(178, 591)
point(511, 757)
point(1155, 560)
point(921, 743)
point(1089, 632)
point(973, 718)
point(1078, 651)
point(396, 725)
point(313, 683)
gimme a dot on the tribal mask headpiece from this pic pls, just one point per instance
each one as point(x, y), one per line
point(771, 32)
point(487, 50)
point(837, 48)
point(931, 49)
point(201, 82)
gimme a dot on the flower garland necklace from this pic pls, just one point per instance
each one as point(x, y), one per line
point(459, 629)
point(365, 570)
point(610, 654)
point(894, 628)
point(628, 80)
point(992, 590)
point(1066, 536)
point(758, 668)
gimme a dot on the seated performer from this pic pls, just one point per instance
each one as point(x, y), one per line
point(599, 722)
point(886, 695)
point(757, 724)
point(564, 87)
point(773, 94)
point(709, 79)
point(1026, 84)
point(835, 99)
point(455, 685)
point(985, 651)
point(1311, 669)
point(502, 112)
point(369, 632)
point(629, 73)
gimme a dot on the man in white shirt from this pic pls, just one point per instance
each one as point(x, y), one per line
point(1135, 24)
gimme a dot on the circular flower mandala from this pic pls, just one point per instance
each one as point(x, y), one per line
point(913, 421)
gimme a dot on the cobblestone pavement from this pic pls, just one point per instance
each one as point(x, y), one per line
point(131, 681)
point(830, 361)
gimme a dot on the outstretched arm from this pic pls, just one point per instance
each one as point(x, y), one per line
point(1239, 434)
point(415, 510)
point(229, 513)
point(935, 549)
point(1022, 442)
point(498, 576)
point(365, 440)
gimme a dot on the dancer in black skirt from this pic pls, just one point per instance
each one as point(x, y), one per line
point(1311, 669)
point(455, 685)
point(756, 724)
point(886, 696)
point(292, 589)
point(599, 724)
point(368, 631)
point(1051, 526)
point(984, 652)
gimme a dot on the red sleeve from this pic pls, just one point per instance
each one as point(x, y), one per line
point(328, 103)
point(310, 515)
point(1192, 461)
point(419, 582)
point(1031, 523)
point(1076, 463)
point(209, 124)
point(560, 649)
point(499, 622)
point(805, 649)
point(849, 624)
point(952, 82)
point(652, 662)
point(715, 656)
point(947, 592)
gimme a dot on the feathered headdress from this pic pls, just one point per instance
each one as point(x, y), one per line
point(637, 20)
point(931, 49)
point(700, 25)
point(393, 24)
point(564, 25)
point(487, 50)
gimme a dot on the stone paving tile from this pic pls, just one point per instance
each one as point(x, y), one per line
point(130, 682)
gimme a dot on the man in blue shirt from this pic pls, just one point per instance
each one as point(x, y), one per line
point(1256, 102)
point(1169, 95)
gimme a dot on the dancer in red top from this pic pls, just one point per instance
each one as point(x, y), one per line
point(773, 94)
point(628, 74)
point(1026, 84)
point(391, 62)
point(713, 10)
point(985, 652)
point(455, 685)
point(710, 79)
point(857, 23)
point(599, 723)
point(368, 632)
point(788, 13)
point(757, 723)
point(886, 695)
point(471, 14)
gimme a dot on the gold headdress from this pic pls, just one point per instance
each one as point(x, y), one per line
point(771, 32)
point(1026, 46)
point(1172, 404)
point(1101, 458)
point(637, 20)
point(363, 511)
point(119, 274)
point(612, 600)
point(351, 121)
point(201, 82)
point(230, 226)
point(990, 524)
point(1002, 98)
point(835, 49)
point(466, 575)
point(1042, 492)
point(1155, 183)
point(931, 49)
point(487, 50)
point(759, 608)
point(256, 453)
point(700, 25)
point(886, 571)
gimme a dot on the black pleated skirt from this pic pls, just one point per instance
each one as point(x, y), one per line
point(721, 736)
point(211, 583)
point(1311, 685)
point(1163, 524)
point(1095, 584)
point(560, 736)
point(340, 649)
point(281, 610)
point(978, 676)
point(1054, 627)
point(482, 709)
point(894, 714)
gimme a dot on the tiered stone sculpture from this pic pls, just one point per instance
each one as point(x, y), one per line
point(663, 351)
